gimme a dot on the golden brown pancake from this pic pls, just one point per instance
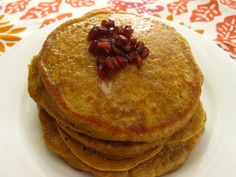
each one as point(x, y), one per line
point(102, 162)
point(140, 122)
point(169, 159)
point(118, 149)
point(54, 142)
point(143, 104)
point(37, 90)
point(42, 98)
point(191, 128)
point(105, 163)
point(115, 149)
point(127, 149)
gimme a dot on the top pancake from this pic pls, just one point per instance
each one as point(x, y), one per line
point(135, 104)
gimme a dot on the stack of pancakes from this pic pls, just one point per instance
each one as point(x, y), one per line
point(139, 123)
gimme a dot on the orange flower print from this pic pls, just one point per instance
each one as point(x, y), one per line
point(230, 3)
point(206, 12)
point(226, 34)
point(42, 9)
point(8, 35)
point(57, 18)
point(140, 6)
point(178, 7)
point(170, 17)
point(17, 6)
point(80, 3)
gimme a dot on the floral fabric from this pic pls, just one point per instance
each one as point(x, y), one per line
point(215, 19)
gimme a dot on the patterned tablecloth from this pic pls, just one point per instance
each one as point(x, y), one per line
point(215, 19)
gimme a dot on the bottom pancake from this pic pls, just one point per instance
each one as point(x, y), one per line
point(102, 162)
point(169, 159)
point(121, 150)
point(115, 149)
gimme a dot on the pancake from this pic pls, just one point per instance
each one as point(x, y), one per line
point(191, 128)
point(142, 105)
point(169, 159)
point(37, 90)
point(115, 149)
point(127, 149)
point(118, 149)
point(104, 163)
point(140, 122)
point(55, 144)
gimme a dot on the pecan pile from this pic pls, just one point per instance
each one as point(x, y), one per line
point(115, 48)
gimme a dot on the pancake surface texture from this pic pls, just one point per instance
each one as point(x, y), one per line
point(141, 121)
point(169, 159)
point(100, 161)
point(115, 149)
point(143, 104)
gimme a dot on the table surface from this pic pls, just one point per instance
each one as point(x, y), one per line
point(215, 19)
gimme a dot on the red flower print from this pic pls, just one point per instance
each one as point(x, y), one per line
point(206, 12)
point(230, 3)
point(226, 34)
point(42, 10)
point(140, 7)
point(57, 18)
point(178, 7)
point(14, 7)
point(80, 3)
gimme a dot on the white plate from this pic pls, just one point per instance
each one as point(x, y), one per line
point(23, 153)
